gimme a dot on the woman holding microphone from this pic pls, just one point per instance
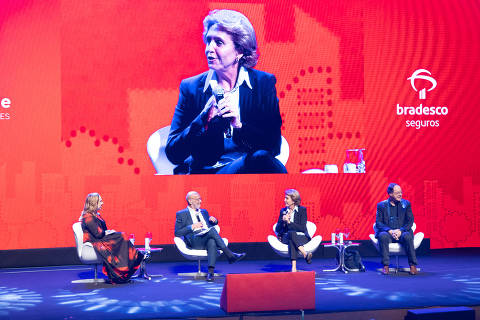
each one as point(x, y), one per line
point(291, 227)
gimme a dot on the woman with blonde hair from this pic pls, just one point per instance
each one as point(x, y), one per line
point(120, 258)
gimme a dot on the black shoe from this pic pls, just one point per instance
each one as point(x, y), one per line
point(210, 277)
point(308, 258)
point(385, 270)
point(413, 270)
point(236, 257)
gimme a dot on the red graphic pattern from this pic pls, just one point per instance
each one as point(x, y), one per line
point(97, 143)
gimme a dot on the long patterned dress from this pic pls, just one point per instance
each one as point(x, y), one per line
point(120, 258)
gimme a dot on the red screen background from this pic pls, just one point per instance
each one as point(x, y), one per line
point(90, 81)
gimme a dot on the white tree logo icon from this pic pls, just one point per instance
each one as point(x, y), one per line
point(420, 74)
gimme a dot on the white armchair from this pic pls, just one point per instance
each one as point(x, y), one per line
point(158, 141)
point(86, 253)
point(195, 255)
point(156, 151)
point(396, 249)
point(282, 249)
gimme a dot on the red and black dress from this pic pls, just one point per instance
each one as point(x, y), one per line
point(120, 258)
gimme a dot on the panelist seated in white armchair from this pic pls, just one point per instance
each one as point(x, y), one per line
point(394, 221)
point(119, 256)
point(196, 227)
point(291, 228)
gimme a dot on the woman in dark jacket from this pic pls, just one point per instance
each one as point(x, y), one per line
point(291, 227)
point(227, 120)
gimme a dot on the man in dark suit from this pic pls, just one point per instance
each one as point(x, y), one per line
point(291, 227)
point(394, 224)
point(191, 224)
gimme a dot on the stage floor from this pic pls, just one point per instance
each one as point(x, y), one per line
point(448, 278)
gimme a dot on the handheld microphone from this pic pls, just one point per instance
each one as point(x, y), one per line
point(219, 94)
point(284, 213)
point(198, 230)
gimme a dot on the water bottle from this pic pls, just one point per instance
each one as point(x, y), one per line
point(148, 239)
point(132, 238)
point(354, 161)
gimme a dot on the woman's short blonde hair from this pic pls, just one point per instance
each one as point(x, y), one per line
point(91, 202)
point(239, 28)
point(294, 195)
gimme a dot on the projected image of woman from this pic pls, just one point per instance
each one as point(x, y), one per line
point(120, 258)
point(291, 227)
point(227, 120)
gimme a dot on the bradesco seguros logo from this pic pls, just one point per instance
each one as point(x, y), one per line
point(422, 82)
point(419, 74)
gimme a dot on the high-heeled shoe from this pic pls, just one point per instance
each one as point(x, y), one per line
point(308, 258)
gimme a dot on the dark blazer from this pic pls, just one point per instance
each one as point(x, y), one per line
point(183, 224)
point(299, 223)
point(194, 144)
point(405, 216)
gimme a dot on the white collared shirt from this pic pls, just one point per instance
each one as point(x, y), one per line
point(234, 94)
point(292, 216)
point(193, 215)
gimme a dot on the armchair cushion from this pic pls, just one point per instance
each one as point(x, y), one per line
point(194, 254)
point(282, 249)
point(396, 248)
point(85, 251)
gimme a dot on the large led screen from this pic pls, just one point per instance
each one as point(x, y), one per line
point(369, 92)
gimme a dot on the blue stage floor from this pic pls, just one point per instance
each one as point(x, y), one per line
point(448, 278)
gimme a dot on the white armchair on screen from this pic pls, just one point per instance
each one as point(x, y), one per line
point(86, 253)
point(195, 255)
point(158, 141)
point(156, 151)
point(396, 249)
point(282, 249)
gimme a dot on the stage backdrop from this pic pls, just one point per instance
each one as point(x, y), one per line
point(83, 84)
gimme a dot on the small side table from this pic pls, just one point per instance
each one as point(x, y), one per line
point(142, 273)
point(341, 252)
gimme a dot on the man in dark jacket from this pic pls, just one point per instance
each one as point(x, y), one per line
point(195, 225)
point(394, 224)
